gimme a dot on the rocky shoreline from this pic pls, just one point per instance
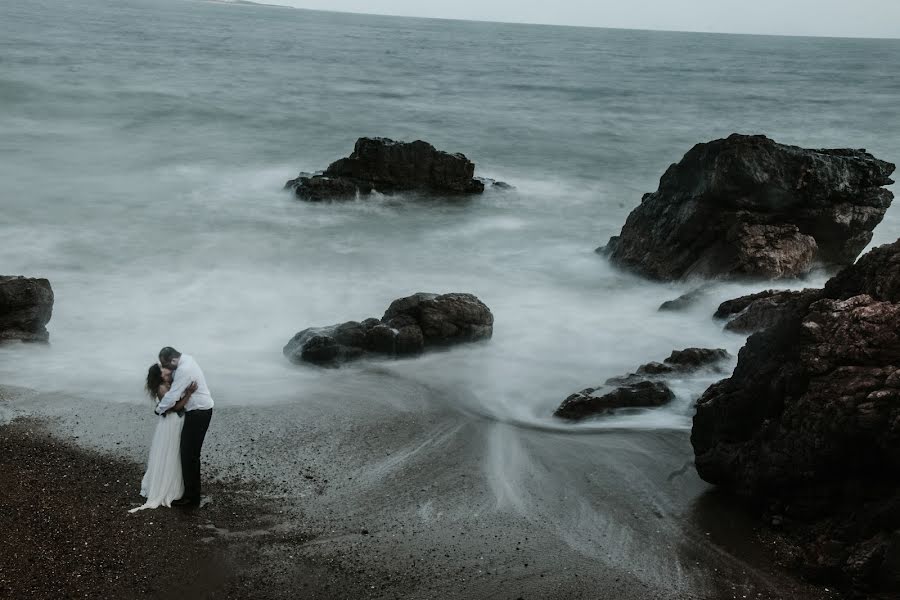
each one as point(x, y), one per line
point(804, 431)
point(329, 502)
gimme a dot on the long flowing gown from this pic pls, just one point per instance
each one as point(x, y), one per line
point(162, 481)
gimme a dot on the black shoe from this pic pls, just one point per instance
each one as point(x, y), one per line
point(186, 503)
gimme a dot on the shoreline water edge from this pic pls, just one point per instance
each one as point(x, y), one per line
point(703, 408)
point(398, 507)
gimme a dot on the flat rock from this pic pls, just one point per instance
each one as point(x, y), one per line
point(592, 402)
point(642, 389)
point(748, 207)
point(26, 306)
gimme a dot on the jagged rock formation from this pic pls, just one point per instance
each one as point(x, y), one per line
point(808, 425)
point(746, 206)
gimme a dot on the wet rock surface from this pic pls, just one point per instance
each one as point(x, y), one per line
point(808, 425)
point(685, 301)
point(746, 206)
point(26, 306)
point(387, 166)
point(641, 394)
point(409, 326)
point(755, 312)
point(642, 389)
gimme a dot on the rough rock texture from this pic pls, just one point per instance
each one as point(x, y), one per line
point(388, 166)
point(808, 425)
point(746, 206)
point(642, 394)
point(877, 274)
point(758, 311)
point(409, 326)
point(691, 359)
point(26, 306)
point(641, 389)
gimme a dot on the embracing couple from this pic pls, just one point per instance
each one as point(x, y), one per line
point(184, 406)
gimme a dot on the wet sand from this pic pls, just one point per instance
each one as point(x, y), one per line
point(403, 499)
point(67, 533)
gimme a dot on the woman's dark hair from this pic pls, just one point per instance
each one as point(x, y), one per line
point(154, 380)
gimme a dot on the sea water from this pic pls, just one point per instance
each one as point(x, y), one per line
point(144, 146)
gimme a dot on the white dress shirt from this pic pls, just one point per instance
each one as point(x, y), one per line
point(188, 370)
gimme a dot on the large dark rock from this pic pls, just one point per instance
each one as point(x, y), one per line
point(26, 306)
point(444, 320)
point(388, 166)
point(808, 425)
point(409, 326)
point(747, 206)
point(642, 389)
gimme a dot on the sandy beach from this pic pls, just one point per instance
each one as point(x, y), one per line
point(366, 500)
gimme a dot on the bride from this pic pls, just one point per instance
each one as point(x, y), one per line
point(162, 482)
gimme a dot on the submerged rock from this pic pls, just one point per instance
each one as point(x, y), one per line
point(409, 326)
point(808, 425)
point(746, 206)
point(641, 389)
point(500, 185)
point(26, 306)
point(386, 166)
point(685, 301)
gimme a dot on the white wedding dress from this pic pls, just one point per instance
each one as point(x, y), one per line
point(162, 482)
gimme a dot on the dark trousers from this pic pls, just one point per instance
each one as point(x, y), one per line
point(196, 422)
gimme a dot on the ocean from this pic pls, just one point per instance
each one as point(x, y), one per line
point(144, 146)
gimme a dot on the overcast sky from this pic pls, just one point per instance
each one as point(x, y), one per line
point(843, 18)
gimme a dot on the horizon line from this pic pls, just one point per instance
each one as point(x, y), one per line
point(534, 24)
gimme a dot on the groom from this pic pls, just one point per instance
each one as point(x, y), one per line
point(198, 412)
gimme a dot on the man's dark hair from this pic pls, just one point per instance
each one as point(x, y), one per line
point(167, 354)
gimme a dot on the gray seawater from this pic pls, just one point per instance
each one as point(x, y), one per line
point(143, 147)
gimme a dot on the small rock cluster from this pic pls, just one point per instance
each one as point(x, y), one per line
point(642, 389)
